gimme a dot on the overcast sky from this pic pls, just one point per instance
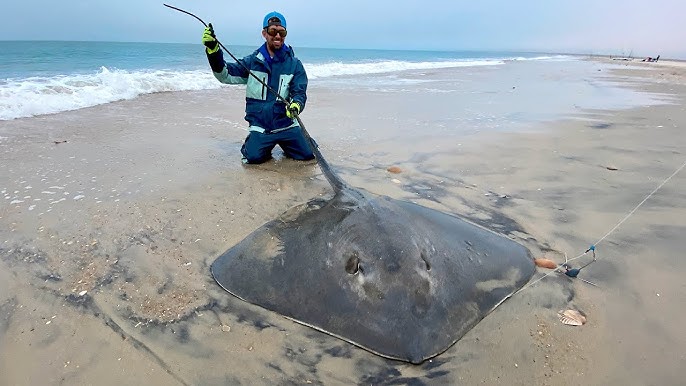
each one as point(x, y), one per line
point(615, 27)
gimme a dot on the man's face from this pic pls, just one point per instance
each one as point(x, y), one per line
point(275, 36)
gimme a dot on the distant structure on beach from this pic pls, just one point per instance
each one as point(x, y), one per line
point(648, 59)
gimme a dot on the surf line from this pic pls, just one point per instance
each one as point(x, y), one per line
point(336, 183)
point(593, 246)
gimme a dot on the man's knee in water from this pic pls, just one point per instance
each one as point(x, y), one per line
point(254, 152)
point(254, 161)
point(249, 158)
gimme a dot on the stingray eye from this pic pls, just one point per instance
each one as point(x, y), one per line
point(426, 261)
point(352, 266)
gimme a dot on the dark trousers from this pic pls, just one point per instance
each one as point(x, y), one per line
point(257, 147)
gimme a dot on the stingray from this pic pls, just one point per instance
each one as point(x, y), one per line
point(395, 278)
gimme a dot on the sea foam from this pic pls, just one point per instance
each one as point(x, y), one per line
point(31, 96)
point(44, 95)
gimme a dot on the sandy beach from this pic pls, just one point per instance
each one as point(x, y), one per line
point(111, 215)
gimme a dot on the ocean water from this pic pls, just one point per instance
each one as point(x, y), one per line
point(50, 77)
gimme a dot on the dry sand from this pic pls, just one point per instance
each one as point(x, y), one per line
point(114, 214)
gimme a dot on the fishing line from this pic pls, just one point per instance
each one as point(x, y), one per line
point(336, 183)
point(592, 247)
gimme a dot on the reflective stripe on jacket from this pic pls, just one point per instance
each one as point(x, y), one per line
point(284, 73)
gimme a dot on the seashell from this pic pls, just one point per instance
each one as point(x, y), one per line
point(611, 167)
point(571, 317)
point(545, 263)
point(394, 169)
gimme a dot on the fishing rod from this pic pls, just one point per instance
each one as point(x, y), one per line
point(335, 182)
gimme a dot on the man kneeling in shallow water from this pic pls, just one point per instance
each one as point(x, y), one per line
point(271, 121)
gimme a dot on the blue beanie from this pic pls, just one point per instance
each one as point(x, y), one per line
point(274, 18)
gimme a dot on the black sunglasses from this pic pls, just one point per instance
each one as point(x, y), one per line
point(273, 31)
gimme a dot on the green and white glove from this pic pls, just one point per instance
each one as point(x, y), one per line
point(293, 110)
point(209, 40)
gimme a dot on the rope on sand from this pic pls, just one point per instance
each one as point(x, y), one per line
point(593, 246)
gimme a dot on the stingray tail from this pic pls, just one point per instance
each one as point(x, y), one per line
point(336, 183)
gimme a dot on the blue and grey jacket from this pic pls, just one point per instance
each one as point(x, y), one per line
point(284, 73)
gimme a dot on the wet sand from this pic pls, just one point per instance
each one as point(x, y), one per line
point(112, 215)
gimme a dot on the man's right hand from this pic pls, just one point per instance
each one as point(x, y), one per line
point(209, 40)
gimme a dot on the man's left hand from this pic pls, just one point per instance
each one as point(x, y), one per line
point(293, 110)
